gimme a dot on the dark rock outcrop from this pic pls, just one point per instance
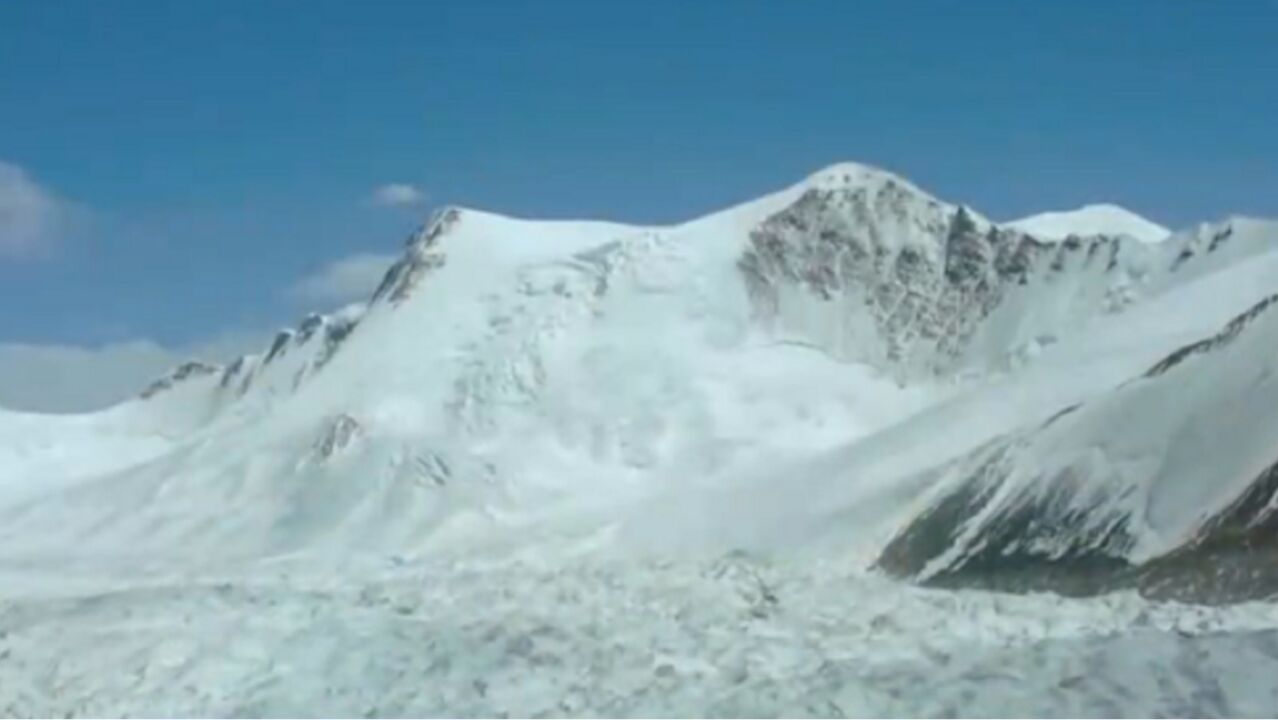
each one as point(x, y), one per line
point(185, 371)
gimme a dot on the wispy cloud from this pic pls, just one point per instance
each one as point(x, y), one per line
point(397, 195)
point(79, 378)
point(31, 216)
point(341, 281)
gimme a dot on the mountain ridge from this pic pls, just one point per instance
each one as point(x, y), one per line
point(506, 371)
point(424, 247)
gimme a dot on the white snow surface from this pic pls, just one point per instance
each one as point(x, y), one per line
point(562, 468)
point(1096, 219)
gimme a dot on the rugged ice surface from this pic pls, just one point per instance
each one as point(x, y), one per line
point(738, 636)
point(775, 460)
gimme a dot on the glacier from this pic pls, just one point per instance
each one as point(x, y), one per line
point(802, 456)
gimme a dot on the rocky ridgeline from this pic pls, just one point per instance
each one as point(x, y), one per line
point(911, 277)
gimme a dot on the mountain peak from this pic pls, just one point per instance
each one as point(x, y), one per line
point(1091, 219)
point(857, 175)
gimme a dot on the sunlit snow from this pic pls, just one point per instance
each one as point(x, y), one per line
point(583, 468)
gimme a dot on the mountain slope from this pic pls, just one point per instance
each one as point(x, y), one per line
point(1170, 481)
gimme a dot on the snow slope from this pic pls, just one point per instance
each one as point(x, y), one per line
point(1172, 473)
point(1098, 219)
point(722, 429)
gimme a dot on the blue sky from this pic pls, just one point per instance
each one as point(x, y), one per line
point(196, 160)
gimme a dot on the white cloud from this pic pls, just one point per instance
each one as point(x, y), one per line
point(341, 281)
point(79, 378)
point(227, 346)
point(63, 378)
point(30, 216)
point(397, 195)
point(71, 378)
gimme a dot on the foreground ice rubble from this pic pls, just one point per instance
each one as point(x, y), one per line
point(732, 636)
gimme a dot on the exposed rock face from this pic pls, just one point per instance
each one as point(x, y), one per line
point(279, 345)
point(336, 330)
point(423, 255)
point(1224, 337)
point(965, 534)
point(185, 371)
point(1234, 558)
point(230, 372)
point(295, 354)
point(907, 280)
point(433, 469)
point(341, 432)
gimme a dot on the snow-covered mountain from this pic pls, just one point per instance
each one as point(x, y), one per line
point(1097, 219)
point(847, 376)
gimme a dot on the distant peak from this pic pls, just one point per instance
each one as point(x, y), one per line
point(1103, 207)
point(1091, 219)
